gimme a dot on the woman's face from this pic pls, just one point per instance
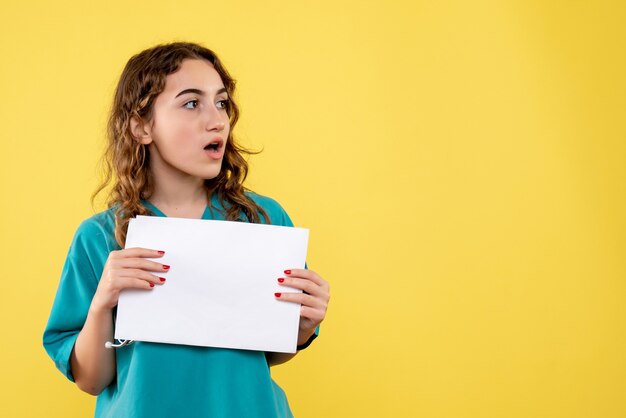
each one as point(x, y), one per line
point(190, 125)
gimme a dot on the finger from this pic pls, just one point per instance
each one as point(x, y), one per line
point(141, 274)
point(301, 298)
point(307, 274)
point(133, 283)
point(139, 263)
point(138, 252)
point(303, 284)
point(315, 315)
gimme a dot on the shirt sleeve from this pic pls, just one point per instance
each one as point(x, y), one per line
point(79, 280)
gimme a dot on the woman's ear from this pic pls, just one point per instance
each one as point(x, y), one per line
point(140, 130)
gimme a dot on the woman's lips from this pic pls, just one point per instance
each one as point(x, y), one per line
point(215, 149)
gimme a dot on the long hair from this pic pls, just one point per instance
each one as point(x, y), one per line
point(127, 161)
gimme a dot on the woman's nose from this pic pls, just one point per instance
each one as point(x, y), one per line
point(215, 119)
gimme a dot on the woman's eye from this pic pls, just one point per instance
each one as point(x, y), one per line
point(194, 104)
point(223, 104)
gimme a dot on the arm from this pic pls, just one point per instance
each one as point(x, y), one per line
point(92, 364)
point(274, 359)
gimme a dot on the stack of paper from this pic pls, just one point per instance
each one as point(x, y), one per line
point(220, 286)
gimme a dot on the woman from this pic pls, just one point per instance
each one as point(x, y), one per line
point(171, 153)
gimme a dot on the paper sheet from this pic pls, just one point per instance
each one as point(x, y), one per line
point(220, 287)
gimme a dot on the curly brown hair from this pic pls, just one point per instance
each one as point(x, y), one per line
point(127, 161)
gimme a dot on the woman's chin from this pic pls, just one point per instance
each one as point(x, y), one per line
point(211, 174)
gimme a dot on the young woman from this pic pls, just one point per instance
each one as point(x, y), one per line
point(171, 153)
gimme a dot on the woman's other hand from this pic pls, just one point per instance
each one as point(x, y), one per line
point(314, 299)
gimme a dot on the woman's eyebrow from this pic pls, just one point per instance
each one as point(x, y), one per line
point(199, 92)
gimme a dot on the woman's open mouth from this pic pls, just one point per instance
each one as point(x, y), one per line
point(215, 148)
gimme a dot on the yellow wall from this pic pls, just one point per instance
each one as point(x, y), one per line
point(461, 165)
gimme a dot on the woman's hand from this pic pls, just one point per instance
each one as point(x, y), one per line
point(127, 269)
point(314, 299)
point(93, 365)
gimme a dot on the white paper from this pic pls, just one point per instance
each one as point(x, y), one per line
point(219, 290)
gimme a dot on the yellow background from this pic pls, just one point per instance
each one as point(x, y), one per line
point(461, 166)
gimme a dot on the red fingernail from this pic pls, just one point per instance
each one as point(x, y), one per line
point(165, 267)
point(151, 284)
point(287, 271)
point(277, 294)
point(281, 280)
point(162, 279)
point(161, 252)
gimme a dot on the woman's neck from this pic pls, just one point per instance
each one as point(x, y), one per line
point(181, 197)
